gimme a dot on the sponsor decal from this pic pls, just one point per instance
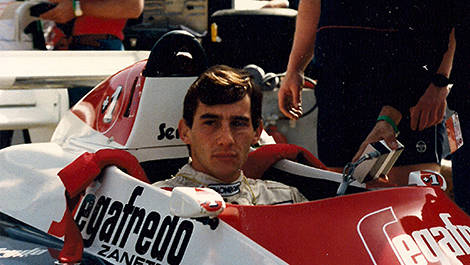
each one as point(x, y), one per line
point(128, 234)
point(16, 253)
point(169, 133)
point(226, 190)
point(386, 242)
point(421, 146)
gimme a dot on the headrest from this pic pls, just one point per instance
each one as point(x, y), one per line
point(176, 53)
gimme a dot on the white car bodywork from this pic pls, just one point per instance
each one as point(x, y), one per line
point(33, 84)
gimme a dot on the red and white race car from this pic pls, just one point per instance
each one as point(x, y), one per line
point(68, 190)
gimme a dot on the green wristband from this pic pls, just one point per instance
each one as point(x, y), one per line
point(389, 121)
point(77, 10)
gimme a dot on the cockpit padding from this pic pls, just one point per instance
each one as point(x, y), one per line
point(311, 188)
point(162, 169)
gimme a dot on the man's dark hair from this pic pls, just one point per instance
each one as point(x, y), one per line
point(221, 84)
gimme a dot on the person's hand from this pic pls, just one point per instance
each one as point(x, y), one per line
point(276, 4)
point(430, 108)
point(62, 13)
point(290, 95)
point(381, 131)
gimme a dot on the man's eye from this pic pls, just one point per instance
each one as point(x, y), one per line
point(209, 122)
point(240, 123)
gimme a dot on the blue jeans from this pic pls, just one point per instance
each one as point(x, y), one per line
point(460, 167)
point(114, 44)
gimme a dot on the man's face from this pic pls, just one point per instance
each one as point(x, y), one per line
point(220, 138)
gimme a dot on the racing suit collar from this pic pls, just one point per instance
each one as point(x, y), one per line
point(224, 189)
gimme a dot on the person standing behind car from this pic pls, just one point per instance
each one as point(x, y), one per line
point(97, 25)
point(459, 100)
point(376, 60)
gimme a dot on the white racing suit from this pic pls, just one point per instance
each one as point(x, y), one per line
point(243, 191)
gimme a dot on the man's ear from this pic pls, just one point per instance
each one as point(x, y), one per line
point(183, 130)
point(258, 132)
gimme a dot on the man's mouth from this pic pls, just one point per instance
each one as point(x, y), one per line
point(225, 155)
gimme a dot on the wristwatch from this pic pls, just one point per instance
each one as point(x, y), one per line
point(440, 80)
point(77, 10)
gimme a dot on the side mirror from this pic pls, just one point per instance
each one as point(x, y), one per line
point(196, 202)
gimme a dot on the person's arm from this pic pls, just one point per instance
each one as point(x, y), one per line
point(302, 53)
point(383, 130)
point(113, 9)
point(431, 106)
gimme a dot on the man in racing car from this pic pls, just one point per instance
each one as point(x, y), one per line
point(221, 120)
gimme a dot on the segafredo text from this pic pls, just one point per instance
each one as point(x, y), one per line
point(434, 245)
point(128, 234)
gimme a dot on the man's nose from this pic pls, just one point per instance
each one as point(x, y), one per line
point(225, 136)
